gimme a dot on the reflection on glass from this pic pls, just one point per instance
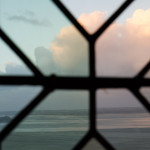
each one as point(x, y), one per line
point(13, 99)
point(122, 120)
point(93, 144)
point(146, 92)
point(58, 123)
point(92, 14)
point(124, 49)
point(46, 36)
point(10, 64)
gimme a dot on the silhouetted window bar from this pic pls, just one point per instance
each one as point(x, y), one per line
point(91, 83)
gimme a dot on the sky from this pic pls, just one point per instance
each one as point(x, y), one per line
point(54, 45)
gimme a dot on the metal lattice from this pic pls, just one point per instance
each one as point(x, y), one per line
point(91, 83)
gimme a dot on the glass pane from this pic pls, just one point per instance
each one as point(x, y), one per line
point(124, 49)
point(10, 64)
point(93, 144)
point(92, 14)
point(146, 92)
point(58, 123)
point(46, 36)
point(122, 120)
point(147, 74)
point(13, 99)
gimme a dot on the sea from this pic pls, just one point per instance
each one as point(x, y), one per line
point(63, 129)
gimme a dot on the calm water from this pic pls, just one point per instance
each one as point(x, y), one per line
point(62, 131)
point(129, 131)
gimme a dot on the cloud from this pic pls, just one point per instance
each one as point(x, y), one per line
point(70, 52)
point(45, 61)
point(139, 23)
point(92, 21)
point(125, 48)
point(15, 69)
point(122, 50)
point(1, 72)
point(30, 18)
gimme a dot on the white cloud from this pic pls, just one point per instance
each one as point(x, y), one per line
point(45, 61)
point(122, 50)
point(92, 21)
point(15, 69)
point(70, 52)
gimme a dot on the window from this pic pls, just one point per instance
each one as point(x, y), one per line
point(57, 93)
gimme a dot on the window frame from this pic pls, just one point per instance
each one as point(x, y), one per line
point(91, 83)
